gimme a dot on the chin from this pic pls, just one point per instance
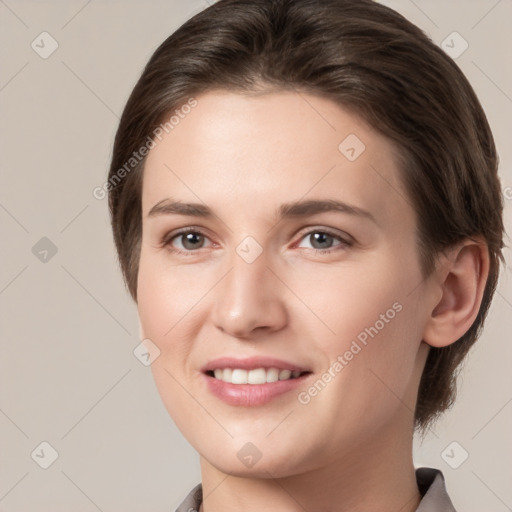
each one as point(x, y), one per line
point(245, 459)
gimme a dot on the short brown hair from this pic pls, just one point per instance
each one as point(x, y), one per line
point(365, 57)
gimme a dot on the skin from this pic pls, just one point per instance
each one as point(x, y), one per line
point(350, 447)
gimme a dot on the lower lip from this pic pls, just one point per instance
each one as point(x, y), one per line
point(251, 394)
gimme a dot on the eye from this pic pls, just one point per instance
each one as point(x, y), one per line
point(188, 241)
point(322, 240)
point(185, 241)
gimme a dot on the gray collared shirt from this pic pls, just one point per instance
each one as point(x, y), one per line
point(430, 484)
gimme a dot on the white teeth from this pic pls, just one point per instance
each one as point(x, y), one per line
point(285, 374)
point(272, 375)
point(239, 376)
point(256, 376)
point(227, 374)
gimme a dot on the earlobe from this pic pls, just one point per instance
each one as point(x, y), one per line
point(460, 280)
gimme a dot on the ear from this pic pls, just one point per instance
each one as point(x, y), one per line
point(459, 281)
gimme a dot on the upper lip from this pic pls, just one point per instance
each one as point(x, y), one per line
point(251, 363)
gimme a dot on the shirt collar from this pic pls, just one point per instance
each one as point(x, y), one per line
point(432, 487)
point(430, 482)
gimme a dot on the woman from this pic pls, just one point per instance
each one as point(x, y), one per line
point(306, 209)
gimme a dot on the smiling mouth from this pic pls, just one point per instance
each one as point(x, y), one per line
point(255, 376)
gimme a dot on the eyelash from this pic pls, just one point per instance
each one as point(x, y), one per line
point(168, 238)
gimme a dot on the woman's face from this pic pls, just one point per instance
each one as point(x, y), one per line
point(262, 277)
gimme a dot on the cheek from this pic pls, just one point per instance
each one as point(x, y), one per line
point(153, 303)
point(355, 302)
point(374, 323)
point(166, 296)
point(164, 304)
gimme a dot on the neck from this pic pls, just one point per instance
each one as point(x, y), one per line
point(377, 474)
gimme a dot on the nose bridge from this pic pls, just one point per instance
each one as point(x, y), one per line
point(249, 296)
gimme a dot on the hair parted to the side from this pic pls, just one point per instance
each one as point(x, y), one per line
point(363, 56)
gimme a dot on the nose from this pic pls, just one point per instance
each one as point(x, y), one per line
point(249, 299)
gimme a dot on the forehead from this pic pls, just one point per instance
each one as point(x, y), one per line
point(258, 151)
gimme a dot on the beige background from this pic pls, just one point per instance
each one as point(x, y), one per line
point(68, 328)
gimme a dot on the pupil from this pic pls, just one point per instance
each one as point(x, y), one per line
point(191, 238)
point(321, 237)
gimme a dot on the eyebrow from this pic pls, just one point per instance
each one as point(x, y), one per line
point(294, 209)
